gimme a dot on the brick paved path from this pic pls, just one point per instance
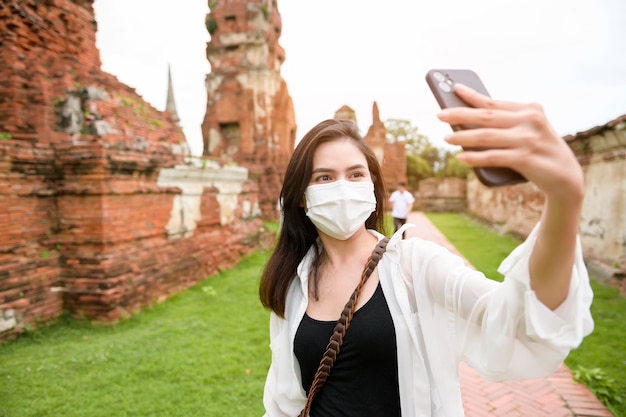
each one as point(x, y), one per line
point(555, 396)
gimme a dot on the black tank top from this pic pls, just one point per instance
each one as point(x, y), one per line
point(364, 379)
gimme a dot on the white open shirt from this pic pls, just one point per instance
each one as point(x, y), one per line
point(445, 312)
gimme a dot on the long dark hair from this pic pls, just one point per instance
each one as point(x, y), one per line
point(297, 232)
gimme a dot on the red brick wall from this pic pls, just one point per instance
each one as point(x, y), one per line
point(441, 194)
point(514, 208)
point(83, 219)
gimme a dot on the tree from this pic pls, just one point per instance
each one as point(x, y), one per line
point(417, 169)
point(453, 167)
point(400, 130)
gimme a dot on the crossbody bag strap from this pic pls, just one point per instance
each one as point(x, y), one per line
point(336, 340)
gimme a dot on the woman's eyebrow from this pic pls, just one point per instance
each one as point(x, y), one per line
point(350, 168)
point(316, 170)
point(357, 166)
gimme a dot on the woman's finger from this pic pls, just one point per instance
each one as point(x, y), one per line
point(490, 158)
point(476, 99)
point(486, 138)
point(557, 175)
point(474, 117)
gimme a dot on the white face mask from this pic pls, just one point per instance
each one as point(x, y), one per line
point(340, 208)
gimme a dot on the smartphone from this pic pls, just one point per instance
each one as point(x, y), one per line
point(441, 83)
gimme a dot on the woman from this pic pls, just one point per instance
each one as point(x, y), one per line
point(422, 310)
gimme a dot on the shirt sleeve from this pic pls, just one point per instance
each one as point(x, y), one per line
point(502, 329)
point(283, 395)
point(271, 381)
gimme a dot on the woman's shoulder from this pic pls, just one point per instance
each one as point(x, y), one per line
point(415, 252)
point(420, 247)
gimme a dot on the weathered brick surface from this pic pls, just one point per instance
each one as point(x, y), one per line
point(514, 208)
point(441, 194)
point(83, 218)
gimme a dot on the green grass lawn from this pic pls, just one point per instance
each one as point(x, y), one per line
point(205, 351)
point(601, 358)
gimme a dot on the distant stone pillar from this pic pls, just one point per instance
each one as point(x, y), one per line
point(391, 156)
point(249, 115)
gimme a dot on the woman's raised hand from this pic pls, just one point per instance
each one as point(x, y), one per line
point(523, 140)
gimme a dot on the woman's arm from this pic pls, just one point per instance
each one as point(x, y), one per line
point(283, 395)
point(525, 142)
point(501, 329)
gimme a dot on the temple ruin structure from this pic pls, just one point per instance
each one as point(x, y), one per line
point(249, 114)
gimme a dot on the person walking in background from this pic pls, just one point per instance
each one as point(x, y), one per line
point(414, 309)
point(402, 204)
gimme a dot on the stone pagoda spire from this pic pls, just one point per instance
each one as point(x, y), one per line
point(391, 156)
point(170, 106)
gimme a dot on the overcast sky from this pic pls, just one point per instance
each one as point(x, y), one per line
point(567, 55)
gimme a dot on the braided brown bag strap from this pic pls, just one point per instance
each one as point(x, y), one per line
point(336, 340)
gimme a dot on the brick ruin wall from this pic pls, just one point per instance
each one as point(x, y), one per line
point(441, 195)
point(101, 209)
point(602, 153)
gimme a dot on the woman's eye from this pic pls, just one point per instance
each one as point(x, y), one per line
point(323, 178)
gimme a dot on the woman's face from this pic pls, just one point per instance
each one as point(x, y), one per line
point(339, 160)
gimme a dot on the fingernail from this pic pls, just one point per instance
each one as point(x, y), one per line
point(443, 113)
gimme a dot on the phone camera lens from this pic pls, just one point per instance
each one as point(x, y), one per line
point(444, 86)
point(438, 76)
